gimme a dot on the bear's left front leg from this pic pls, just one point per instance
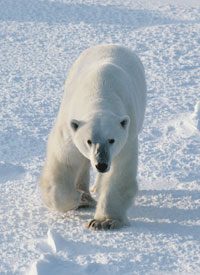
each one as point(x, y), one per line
point(116, 194)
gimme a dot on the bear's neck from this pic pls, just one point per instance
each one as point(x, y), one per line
point(102, 104)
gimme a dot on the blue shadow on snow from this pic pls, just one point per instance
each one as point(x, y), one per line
point(55, 12)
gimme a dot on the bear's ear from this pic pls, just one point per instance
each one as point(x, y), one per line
point(124, 122)
point(74, 124)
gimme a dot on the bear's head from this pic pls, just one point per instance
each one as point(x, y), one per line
point(100, 138)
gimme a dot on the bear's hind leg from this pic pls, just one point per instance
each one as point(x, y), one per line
point(83, 186)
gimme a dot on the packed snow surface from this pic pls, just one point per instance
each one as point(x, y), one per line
point(39, 40)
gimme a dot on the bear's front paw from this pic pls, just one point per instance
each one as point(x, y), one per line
point(104, 224)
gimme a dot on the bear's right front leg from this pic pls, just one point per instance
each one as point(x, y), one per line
point(65, 175)
point(58, 187)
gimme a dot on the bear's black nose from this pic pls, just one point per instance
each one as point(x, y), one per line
point(101, 167)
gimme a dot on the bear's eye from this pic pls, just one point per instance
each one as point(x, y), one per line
point(111, 141)
point(89, 142)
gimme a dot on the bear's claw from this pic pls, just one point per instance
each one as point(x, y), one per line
point(104, 225)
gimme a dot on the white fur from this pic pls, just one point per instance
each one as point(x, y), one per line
point(105, 86)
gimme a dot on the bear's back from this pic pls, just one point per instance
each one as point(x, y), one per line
point(120, 57)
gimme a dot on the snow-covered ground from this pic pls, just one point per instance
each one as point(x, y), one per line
point(39, 40)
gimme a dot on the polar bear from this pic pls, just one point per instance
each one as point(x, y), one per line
point(98, 123)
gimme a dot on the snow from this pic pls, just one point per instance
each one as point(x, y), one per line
point(39, 40)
